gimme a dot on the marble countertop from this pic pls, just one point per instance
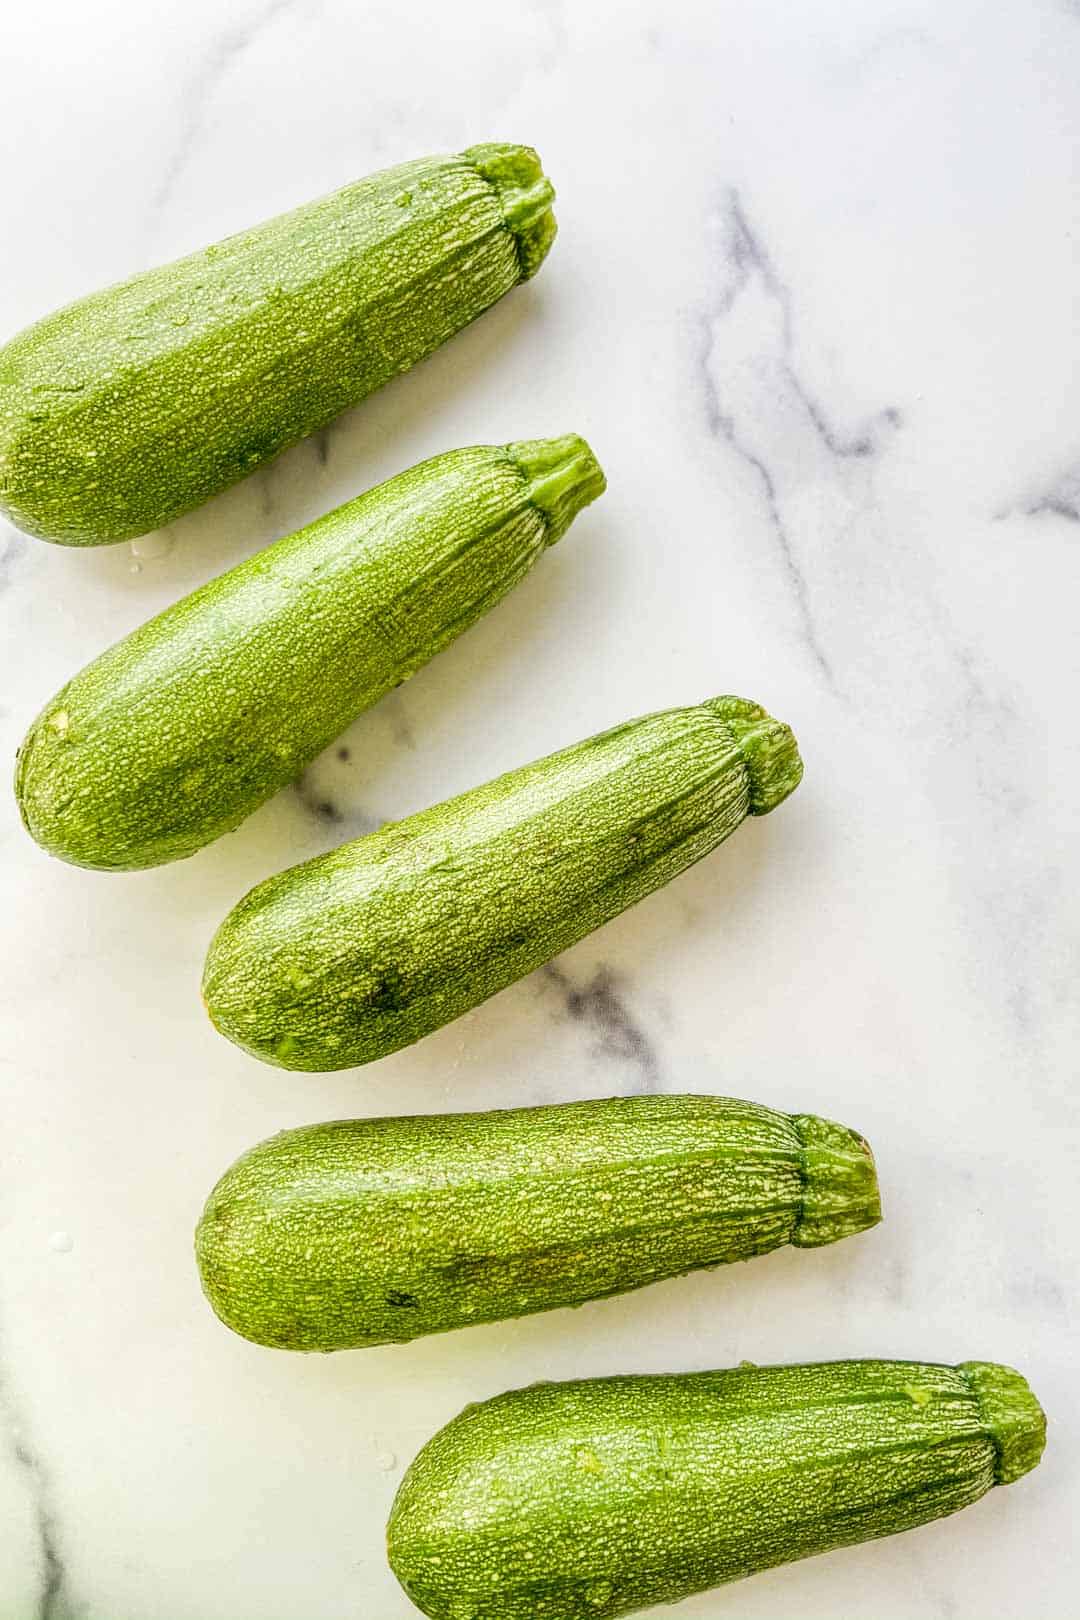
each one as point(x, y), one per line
point(815, 303)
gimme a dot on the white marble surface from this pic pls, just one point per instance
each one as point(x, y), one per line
point(815, 303)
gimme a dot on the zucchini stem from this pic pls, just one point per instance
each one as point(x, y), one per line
point(840, 1185)
point(1014, 1419)
point(525, 195)
point(768, 747)
point(563, 475)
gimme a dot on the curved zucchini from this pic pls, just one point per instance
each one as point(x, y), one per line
point(359, 952)
point(372, 1231)
point(138, 403)
point(186, 726)
point(587, 1500)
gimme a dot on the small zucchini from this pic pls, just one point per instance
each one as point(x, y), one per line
point(372, 1231)
point(359, 952)
point(138, 403)
point(586, 1500)
point(182, 729)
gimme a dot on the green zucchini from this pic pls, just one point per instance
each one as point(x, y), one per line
point(138, 403)
point(359, 952)
point(586, 1500)
point(375, 1231)
point(182, 729)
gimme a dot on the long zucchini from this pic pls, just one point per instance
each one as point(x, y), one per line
point(587, 1500)
point(363, 950)
point(137, 403)
point(372, 1231)
point(182, 729)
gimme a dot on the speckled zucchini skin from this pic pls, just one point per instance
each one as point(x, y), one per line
point(373, 1231)
point(583, 1501)
point(182, 729)
point(136, 404)
point(359, 952)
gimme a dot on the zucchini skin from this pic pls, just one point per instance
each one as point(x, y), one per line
point(375, 1231)
point(176, 734)
point(130, 407)
point(359, 952)
point(586, 1500)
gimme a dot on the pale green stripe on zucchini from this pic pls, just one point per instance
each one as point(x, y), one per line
point(588, 1500)
point(131, 406)
point(359, 952)
point(369, 1231)
point(174, 735)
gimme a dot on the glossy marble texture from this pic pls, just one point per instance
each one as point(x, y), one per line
point(815, 304)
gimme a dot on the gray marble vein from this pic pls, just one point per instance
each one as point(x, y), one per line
point(1014, 900)
point(724, 425)
point(601, 1008)
point(13, 548)
point(551, 14)
point(328, 808)
point(992, 724)
point(1068, 509)
point(321, 441)
point(316, 801)
point(54, 1598)
point(329, 805)
point(749, 258)
point(264, 489)
point(757, 402)
point(1061, 499)
point(221, 55)
point(401, 731)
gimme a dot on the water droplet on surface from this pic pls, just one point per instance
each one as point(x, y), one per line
point(61, 1242)
point(151, 547)
point(385, 1461)
point(136, 568)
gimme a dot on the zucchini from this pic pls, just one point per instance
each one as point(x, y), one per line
point(375, 1231)
point(138, 403)
point(585, 1500)
point(363, 950)
point(182, 729)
